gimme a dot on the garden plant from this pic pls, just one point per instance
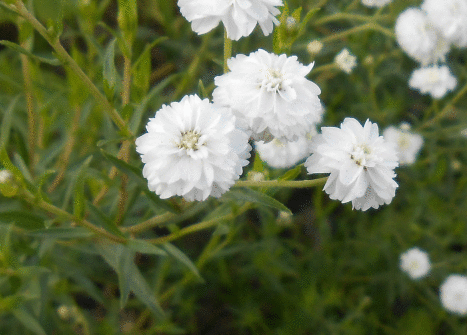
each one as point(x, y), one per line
point(233, 167)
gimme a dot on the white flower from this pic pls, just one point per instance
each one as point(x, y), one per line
point(375, 3)
point(453, 294)
point(419, 38)
point(282, 153)
point(415, 262)
point(345, 61)
point(270, 95)
point(239, 16)
point(314, 47)
point(435, 80)
point(407, 144)
point(361, 164)
point(464, 132)
point(193, 149)
point(450, 17)
point(5, 176)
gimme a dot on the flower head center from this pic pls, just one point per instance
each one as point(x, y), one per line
point(360, 154)
point(273, 80)
point(433, 76)
point(403, 142)
point(189, 140)
point(414, 265)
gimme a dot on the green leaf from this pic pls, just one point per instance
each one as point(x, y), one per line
point(20, 49)
point(109, 70)
point(28, 321)
point(202, 90)
point(136, 172)
point(182, 258)
point(6, 123)
point(155, 91)
point(145, 247)
point(78, 199)
point(22, 219)
point(291, 174)
point(243, 195)
point(62, 233)
point(120, 258)
point(104, 221)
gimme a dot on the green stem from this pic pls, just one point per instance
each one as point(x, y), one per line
point(64, 214)
point(281, 183)
point(227, 50)
point(67, 60)
point(148, 224)
point(364, 27)
point(447, 109)
point(348, 16)
point(198, 226)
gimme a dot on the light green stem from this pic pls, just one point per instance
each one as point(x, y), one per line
point(227, 50)
point(281, 183)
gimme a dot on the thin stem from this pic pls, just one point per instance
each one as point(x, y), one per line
point(67, 60)
point(447, 109)
point(32, 117)
point(148, 224)
point(227, 50)
point(348, 16)
point(364, 27)
point(62, 213)
point(281, 183)
point(198, 226)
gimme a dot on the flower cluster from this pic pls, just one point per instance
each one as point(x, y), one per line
point(345, 61)
point(238, 16)
point(360, 162)
point(426, 35)
point(407, 144)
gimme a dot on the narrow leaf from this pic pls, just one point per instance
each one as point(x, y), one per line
point(6, 123)
point(245, 194)
point(20, 49)
point(104, 221)
point(109, 70)
point(22, 219)
point(182, 258)
point(28, 321)
point(62, 233)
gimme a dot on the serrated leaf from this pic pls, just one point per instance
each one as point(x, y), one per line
point(245, 194)
point(22, 219)
point(182, 258)
point(20, 49)
point(109, 70)
point(28, 321)
point(62, 233)
point(145, 247)
point(104, 221)
point(6, 123)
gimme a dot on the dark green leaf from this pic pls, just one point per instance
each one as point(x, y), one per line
point(104, 221)
point(16, 47)
point(62, 233)
point(181, 257)
point(145, 247)
point(28, 321)
point(22, 219)
point(243, 195)
point(109, 70)
point(6, 123)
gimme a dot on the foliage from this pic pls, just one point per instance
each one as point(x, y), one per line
point(86, 248)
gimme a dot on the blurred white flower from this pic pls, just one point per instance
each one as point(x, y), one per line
point(282, 153)
point(375, 3)
point(345, 61)
point(238, 16)
point(453, 294)
point(407, 144)
point(464, 132)
point(419, 38)
point(415, 263)
point(450, 17)
point(435, 80)
point(5, 176)
point(360, 162)
point(192, 149)
point(314, 47)
point(270, 95)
